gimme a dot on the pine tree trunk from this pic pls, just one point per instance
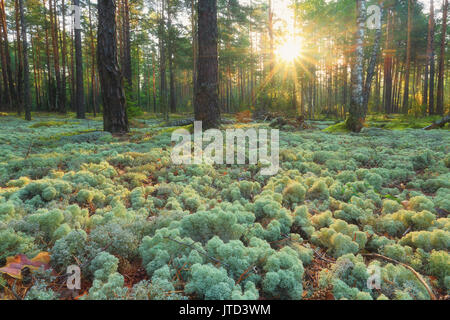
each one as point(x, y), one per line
point(440, 89)
point(19, 73)
point(171, 51)
point(371, 67)
point(428, 55)
point(12, 89)
point(63, 57)
point(115, 118)
point(357, 113)
point(79, 87)
point(126, 64)
point(26, 71)
point(207, 100)
point(408, 59)
point(162, 63)
point(387, 72)
point(54, 33)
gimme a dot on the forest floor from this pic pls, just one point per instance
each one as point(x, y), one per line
point(141, 227)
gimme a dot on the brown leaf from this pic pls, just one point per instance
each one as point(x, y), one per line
point(14, 265)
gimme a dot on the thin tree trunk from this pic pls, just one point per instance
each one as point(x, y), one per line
point(440, 89)
point(371, 68)
point(408, 59)
point(357, 112)
point(79, 94)
point(19, 73)
point(126, 64)
point(26, 71)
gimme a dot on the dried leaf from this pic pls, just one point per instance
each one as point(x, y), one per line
point(14, 265)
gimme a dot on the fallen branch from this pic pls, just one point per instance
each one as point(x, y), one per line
point(438, 124)
point(29, 150)
point(418, 276)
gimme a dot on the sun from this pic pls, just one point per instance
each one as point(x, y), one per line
point(289, 51)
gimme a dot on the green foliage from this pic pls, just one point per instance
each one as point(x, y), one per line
point(100, 200)
point(112, 289)
point(39, 291)
point(210, 283)
point(104, 265)
point(284, 273)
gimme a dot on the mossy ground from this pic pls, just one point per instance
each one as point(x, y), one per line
point(143, 228)
point(391, 122)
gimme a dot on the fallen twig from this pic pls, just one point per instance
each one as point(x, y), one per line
point(418, 276)
point(29, 150)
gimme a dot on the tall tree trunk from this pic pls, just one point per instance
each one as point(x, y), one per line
point(162, 63)
point(432, 64)
point(440, 89)
point(371, 67)
point(93, 85)
point(126, 63)
point(207, 100)
point(387, 72)
point(408, 58)
point(54, 33)
point(154, 81)
point(26, 71)
point(12, 90)
point(79, 94)
point(63, 57)
point(357, 113)
point(115, 118)
point(194, 47)
point(428, 54)
point(171, 51)
point(19, 73)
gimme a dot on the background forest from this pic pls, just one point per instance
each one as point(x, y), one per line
point(88, 180)
point(293, 56)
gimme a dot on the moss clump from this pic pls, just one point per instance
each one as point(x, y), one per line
point(294, 193)
point(339, 127)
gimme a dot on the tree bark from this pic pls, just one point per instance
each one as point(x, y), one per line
point(357, 113)
point(115, 118)
point(371, 67)
point(171, 52)
point(408, 58)
point(79, 94)
point(387, 72)
point(26, 70)
point(432, 63)
point(440, 88)
point(428, 55)
point(207, 100)
point(126, 63)
point(12, 89)
point(19, 73)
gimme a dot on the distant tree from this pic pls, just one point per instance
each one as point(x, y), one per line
point(357, 113)
point(207, 100)
point(115, 119)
